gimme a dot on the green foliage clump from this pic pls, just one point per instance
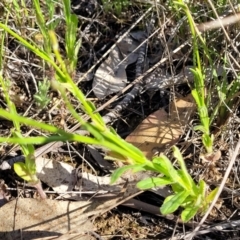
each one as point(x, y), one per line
point(191, 197)
point(116, 6)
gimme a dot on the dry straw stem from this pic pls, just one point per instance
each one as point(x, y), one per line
point(233, 158)
point(226, 21)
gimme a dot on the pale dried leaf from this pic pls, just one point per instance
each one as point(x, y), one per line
point(44, 218)
point(58, 175)
point(211, 157)
point(160, 128)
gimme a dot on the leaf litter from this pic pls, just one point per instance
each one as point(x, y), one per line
point(161, 129)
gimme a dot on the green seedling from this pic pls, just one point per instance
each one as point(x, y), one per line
point(228, 97)
point(27, 170)
point(116, 6)
point(199, 96)
point(227, 93)
point(44, 24)
point(41, 97)
point(19, 9)
point(198, 92)
point(186, 194)
point(72, 45)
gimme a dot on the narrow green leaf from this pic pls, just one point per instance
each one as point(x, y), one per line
point(17, 134)
point(124, 148)
point(112, 130)
point(67, 9)
point(189, 183)
point(91, 105)
point(162, 164)
point(134, 152)
point(153, 182)
point(196, 97)
point(76, 51)
point(202, 188)
point(27, 149)
point(207, 140)
point(28, 121)
point(94, 131)
point(173, 202)
point(177, 188)
point(21, 170)
point(96, 117)
point(211, 195)
point(119, 172)
point(200, 128)
point(139, 168)
point(189, 201)
point(51, 11)
point(44, 140)
point(30, 164)
point(42, 25)
point(189, 213)
point(190, 186)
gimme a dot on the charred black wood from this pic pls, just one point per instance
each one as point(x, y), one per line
point(8, 164)
point(111, 116)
